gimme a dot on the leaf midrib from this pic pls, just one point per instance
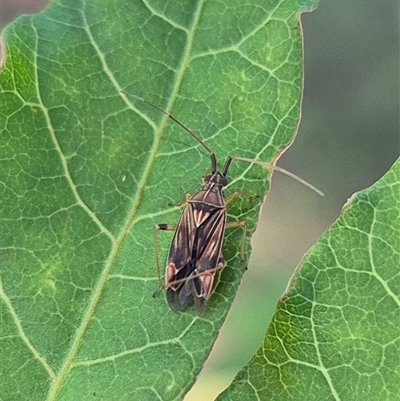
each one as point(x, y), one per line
point(68, 362)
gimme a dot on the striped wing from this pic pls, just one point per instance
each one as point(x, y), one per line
point(196, 250)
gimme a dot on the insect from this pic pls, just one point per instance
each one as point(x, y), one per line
point(195, 254)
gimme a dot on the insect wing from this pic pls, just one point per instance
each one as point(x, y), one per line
point(200, 286)
point(196, 287)
point(194, 280)
point(180, 252)
point(194, 256)
point(208, 257)
point(209, 238)
point(179, 294)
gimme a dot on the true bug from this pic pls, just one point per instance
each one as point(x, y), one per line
point(195, 253)
point(196, 249)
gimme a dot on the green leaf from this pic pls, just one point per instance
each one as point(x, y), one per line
point(86, 172)
point(335, 334)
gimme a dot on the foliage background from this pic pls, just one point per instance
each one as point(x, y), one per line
point(348, 138)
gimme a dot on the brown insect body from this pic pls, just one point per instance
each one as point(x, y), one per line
point(196, 249)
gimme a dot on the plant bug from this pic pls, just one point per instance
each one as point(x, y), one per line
point(195, 253)
point(196, 249)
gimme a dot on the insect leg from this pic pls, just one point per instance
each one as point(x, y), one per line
point(235, 195)
point(235, 224)
point(156, 228)
point(185, 197)
point(243, 226)
point(197, 287)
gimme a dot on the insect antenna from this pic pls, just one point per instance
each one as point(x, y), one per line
point(281, 170)
point(227, 165)
point(188, 130)
point(229, 160)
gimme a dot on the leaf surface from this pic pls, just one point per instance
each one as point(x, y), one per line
point(335, 334)
point(86, 172)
